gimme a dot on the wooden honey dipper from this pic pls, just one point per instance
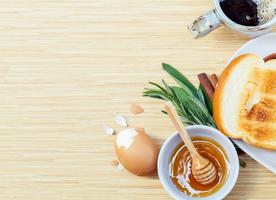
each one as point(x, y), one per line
point(203, 169)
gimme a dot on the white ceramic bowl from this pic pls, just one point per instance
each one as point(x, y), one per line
point(204, 131)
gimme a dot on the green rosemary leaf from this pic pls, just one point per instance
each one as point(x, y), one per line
point(169, 90)
point(156, 94)
point(242, 163)
point(180, 79)
point(201, 96)
point(159, 86)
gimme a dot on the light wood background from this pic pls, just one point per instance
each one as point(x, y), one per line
point(67, 66)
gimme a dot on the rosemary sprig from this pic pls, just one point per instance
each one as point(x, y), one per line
point(192, 105)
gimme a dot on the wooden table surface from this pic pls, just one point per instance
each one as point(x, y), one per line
point(67, 66)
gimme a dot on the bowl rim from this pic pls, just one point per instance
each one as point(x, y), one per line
point(230, 150)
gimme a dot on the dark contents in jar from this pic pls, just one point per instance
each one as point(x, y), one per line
point(243, 12)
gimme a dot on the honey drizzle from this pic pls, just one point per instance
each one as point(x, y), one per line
point(180, 167)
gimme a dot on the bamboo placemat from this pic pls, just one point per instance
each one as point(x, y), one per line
point(68, 66)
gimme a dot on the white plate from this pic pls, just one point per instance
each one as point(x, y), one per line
point(261, 46)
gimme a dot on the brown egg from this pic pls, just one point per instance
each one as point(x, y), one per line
point(136, 151)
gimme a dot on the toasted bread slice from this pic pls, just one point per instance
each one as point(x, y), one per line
point(245, 101)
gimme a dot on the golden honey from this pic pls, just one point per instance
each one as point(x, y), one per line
point(181, 162)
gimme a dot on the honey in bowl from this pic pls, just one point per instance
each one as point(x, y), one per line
point(181, 162)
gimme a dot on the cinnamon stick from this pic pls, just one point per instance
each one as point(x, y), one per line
point(270, 57)
point(214, 80)
point(205, 82)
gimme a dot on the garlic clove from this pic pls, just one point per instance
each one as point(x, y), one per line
point(121, 120)
point(108, 130)
point(136, 109)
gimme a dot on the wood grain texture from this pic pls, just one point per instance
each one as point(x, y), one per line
point(68, 66)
